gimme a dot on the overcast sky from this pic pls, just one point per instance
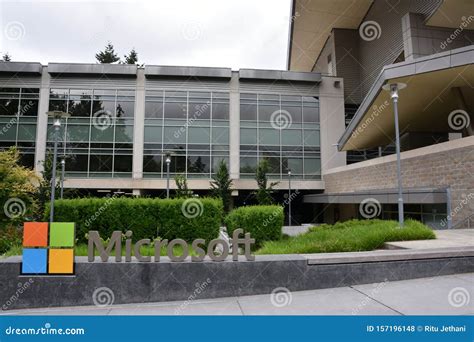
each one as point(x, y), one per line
point(226, 33)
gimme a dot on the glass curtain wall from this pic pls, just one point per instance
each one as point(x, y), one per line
point(18, 116)
point(284, 129)
point(97, 139)
point(192, 126)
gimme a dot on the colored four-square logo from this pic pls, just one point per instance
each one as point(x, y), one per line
point(48, 248)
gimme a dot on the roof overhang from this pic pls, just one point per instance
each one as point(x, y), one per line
point(184, 71)
point(21, 68)
point(385, 196)
point(70, 69)
point(424, 106)
point(455, 14)
point(279, 75)
point(312, 22)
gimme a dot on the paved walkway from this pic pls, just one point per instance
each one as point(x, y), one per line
point(295, 230)
point(445, 295)
point(444, 238)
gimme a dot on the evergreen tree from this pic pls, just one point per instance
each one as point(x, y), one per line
point(265, 190)
point(7, 57)
point(131, 58)
point(108, 56)
point(221, 185)
point(182, 190)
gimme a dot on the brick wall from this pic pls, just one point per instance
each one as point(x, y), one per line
point(450, 164)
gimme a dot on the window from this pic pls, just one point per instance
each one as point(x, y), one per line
point(193, 126)
point(284, 129)
point(220, 106)
point(98, 137)
point(18, 115)
point(176, 105)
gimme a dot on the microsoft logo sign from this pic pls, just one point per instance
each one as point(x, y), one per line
point(48, 248)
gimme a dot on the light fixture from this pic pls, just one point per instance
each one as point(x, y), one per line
point(57, 116)
point(393, 88)
point(289, 197)
point(168, 162)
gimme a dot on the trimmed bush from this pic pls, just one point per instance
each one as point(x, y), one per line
point(263, 222)
point(187, 219)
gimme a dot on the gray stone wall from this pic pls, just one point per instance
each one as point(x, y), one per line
point(420, 40)
point(449, 164)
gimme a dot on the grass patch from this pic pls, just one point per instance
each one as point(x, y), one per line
point(349, 236)
point(15, 250)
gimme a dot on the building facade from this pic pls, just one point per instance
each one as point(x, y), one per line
point(124, 120)
point(428, 46)
point(327, 119)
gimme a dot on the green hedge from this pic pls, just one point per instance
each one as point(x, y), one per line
point(146, 217)
point(263, 222)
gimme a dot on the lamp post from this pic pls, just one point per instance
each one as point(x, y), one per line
point(393, 88)
point(168, 162)
point(289, 197)
point(63, 168)
point(57, 116)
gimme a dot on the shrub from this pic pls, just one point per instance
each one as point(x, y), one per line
point(263, 222)
point(10, 236)
point(186, 219)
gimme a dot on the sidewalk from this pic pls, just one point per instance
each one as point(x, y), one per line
point(444, 239)
point(445, 295)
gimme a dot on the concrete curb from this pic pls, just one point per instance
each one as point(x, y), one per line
point(136, 282)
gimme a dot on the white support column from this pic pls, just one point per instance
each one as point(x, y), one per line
point(234, 127)
point(332, 122)
point(139, 125)
point(42, 121)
